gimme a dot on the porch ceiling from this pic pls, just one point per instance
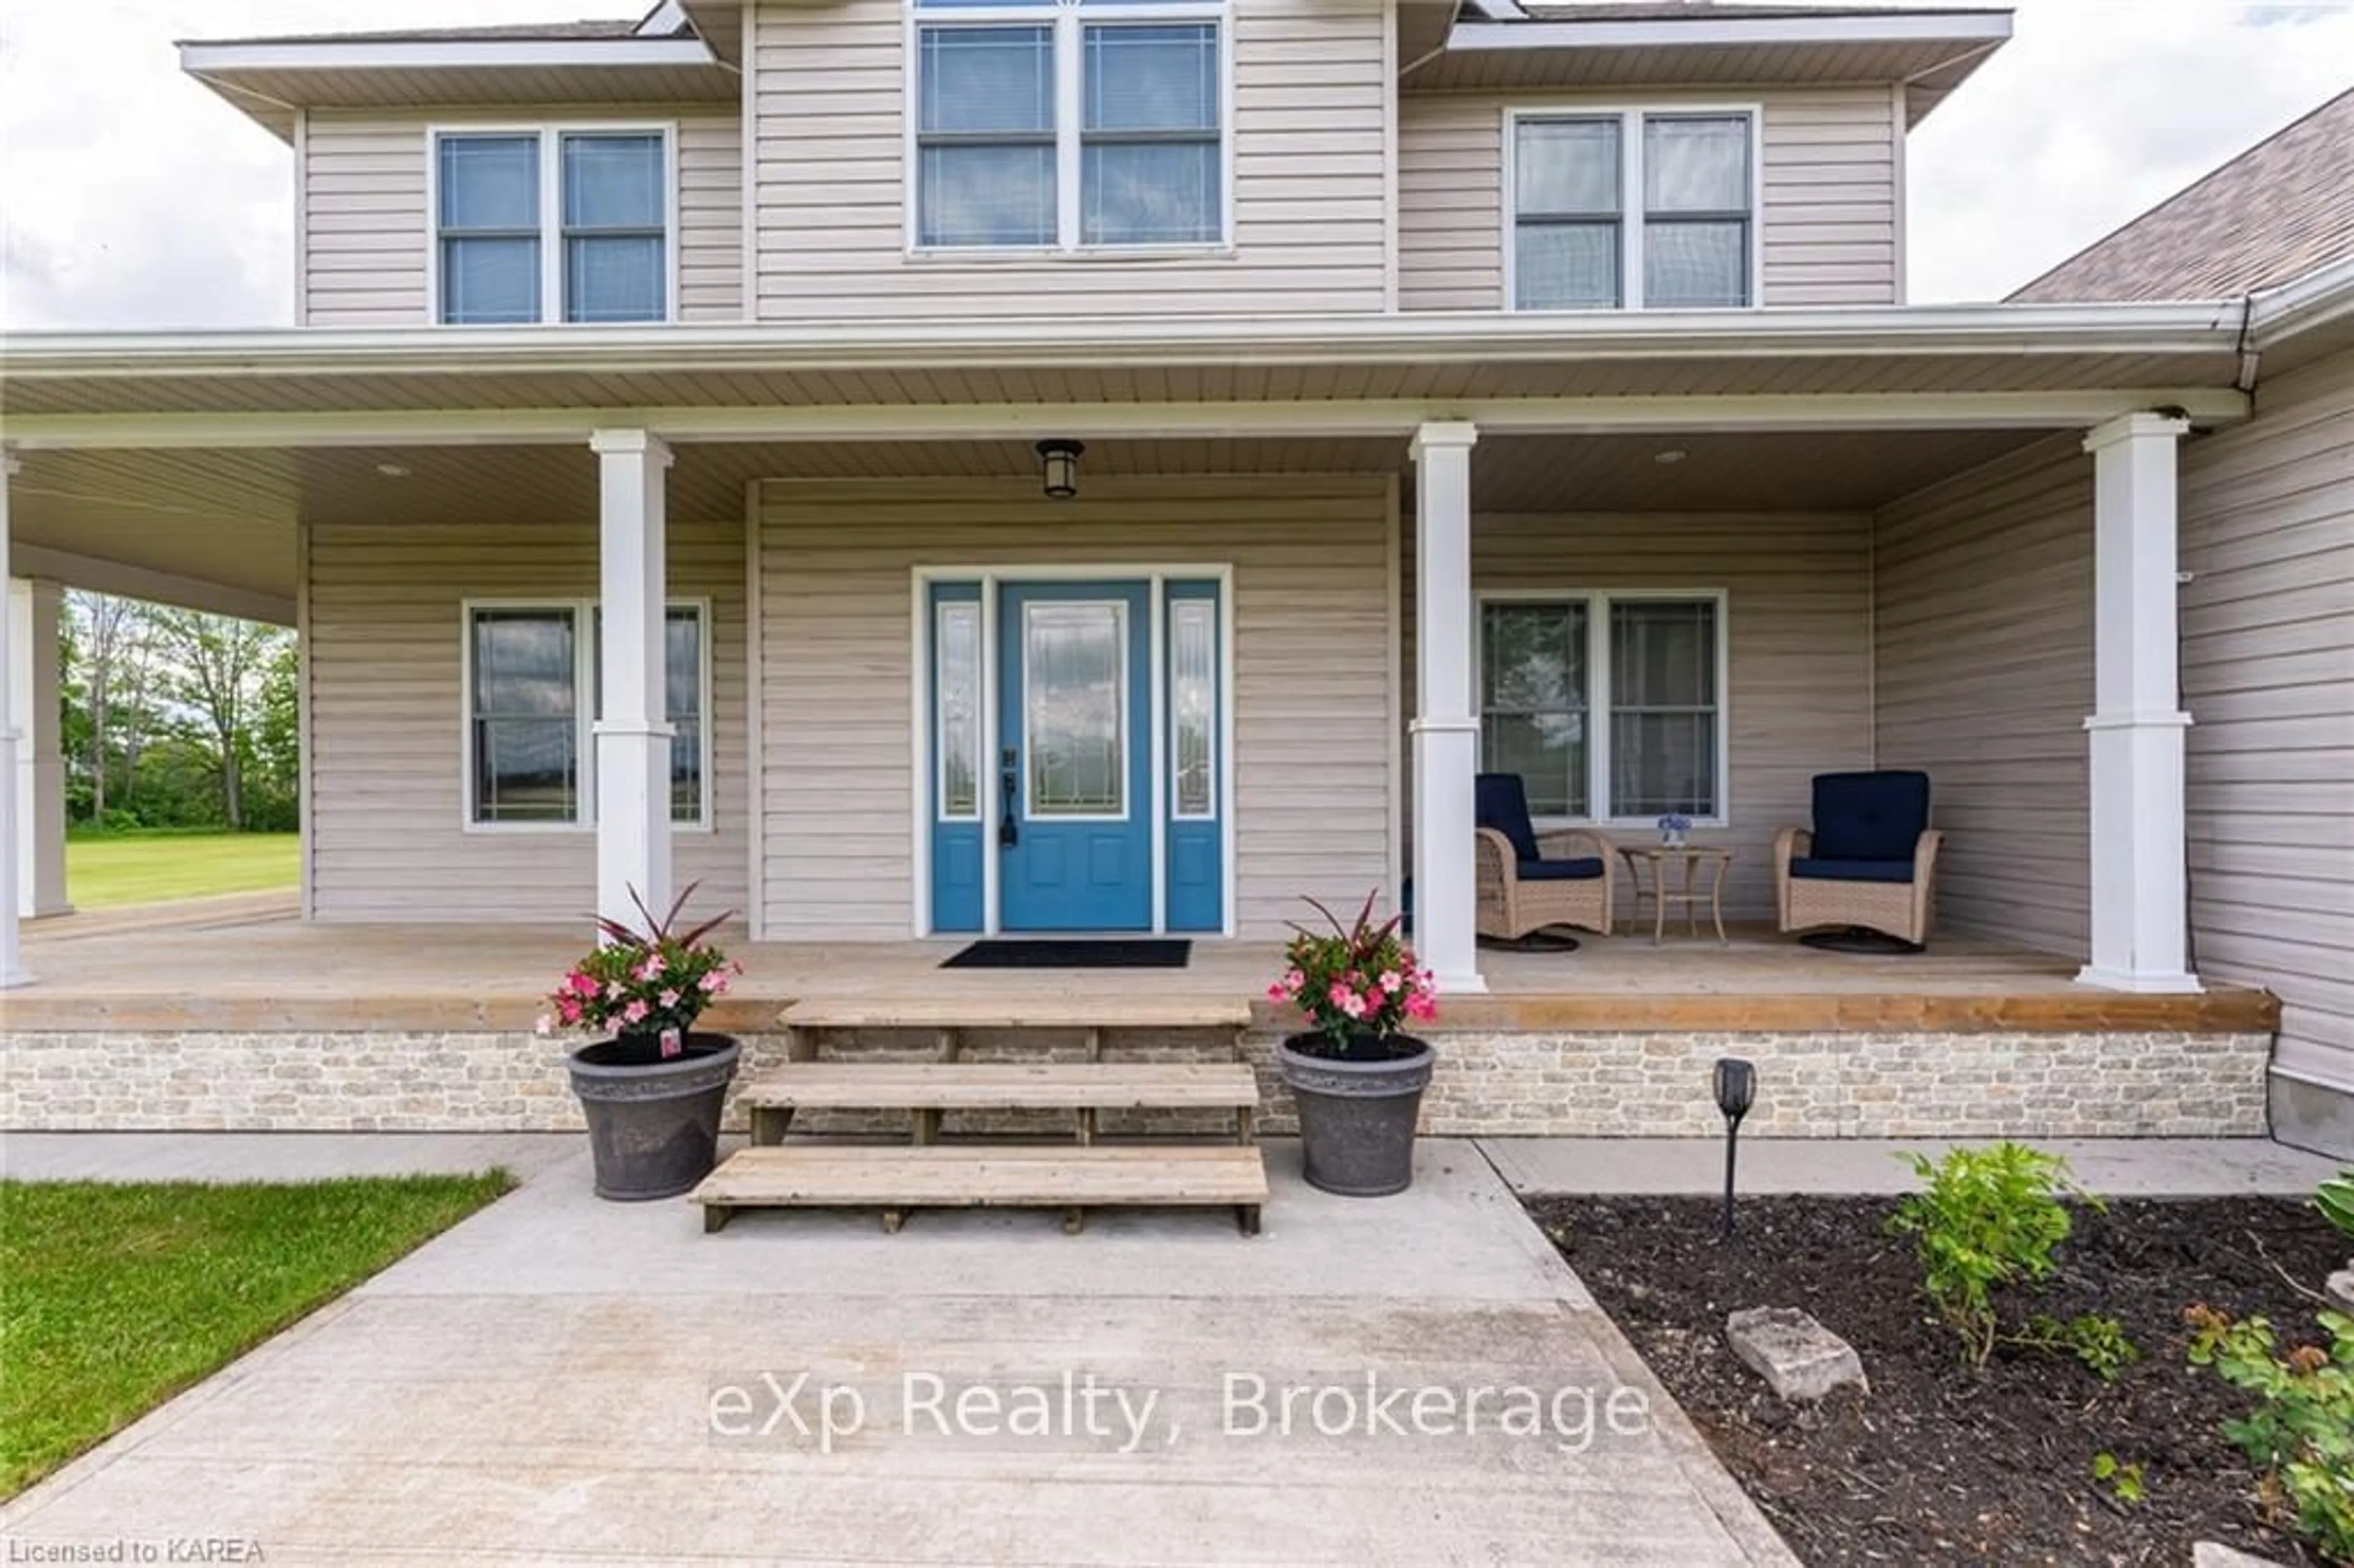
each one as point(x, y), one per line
point(220, 522)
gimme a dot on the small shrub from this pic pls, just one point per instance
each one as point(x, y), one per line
point(2336, 1200)
point(2300, 1435)
point(2098, 1342)
point(2122, 1478)
point(1985, 1219)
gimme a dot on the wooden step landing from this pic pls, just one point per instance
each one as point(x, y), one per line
point(1028, 1010)
point(962, 1176)
point(1010, 1085)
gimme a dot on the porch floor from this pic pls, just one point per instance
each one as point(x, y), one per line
point(283, 974)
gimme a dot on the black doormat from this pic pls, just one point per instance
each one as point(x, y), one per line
point(1049, 953)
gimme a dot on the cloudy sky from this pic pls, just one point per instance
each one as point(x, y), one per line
point(130, 196)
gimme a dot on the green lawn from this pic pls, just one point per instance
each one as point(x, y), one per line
point(147, 868)
point(119, 1295)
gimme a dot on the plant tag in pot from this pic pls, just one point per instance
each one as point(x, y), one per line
point(672, 1043)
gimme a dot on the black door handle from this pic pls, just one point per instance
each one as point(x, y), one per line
point(1009, 831)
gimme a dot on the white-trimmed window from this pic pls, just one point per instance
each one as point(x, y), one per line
point(561, 224)
point(1633, 209)
point(1068, 124)
point(1610, 706)
point(532, 695)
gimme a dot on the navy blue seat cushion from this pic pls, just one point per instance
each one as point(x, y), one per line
point(1582, 870)
point(1869, 817)
point(1500, 800)
point(1821, 870)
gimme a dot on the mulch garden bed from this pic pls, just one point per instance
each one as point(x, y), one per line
point(1939, 1464)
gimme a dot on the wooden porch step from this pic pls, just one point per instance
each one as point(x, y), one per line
point(1010, 1086)
point(1028, 1010)
point(962, 1176)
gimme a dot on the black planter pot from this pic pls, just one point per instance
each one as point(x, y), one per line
point(653, 1123)
point(1357, 1114)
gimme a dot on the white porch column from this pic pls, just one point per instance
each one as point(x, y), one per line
point(2140, 896)
point(12, 970)
point(1444, 729)
point(632, 739)
point(34, 613)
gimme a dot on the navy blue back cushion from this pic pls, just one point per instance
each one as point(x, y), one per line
point(1870, 816)
point(1501, 801)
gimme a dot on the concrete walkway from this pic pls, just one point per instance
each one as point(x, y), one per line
point(2112, 1167)
point(276, 1156)
point(562, 1380)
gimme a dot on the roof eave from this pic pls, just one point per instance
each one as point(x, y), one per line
point(2163, 328)
point(1961, 27)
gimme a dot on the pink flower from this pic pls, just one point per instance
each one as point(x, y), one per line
point(581, 984)
point(668, 998)
point(616, 992)
point(713, 981)
point(544, 1025)
point(567, 1010)
point(721, 988)
point(1392, 982)
point(651, 969)
point(1419, 1005)
point(1340, 996)
point(635, 1013)
point(1276, 993)
point(1294, 982)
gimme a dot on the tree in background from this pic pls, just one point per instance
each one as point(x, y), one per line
point(195, 714)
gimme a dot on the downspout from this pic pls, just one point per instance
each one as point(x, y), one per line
point(2250, 357)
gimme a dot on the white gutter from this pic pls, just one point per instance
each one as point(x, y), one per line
point(418, 54)
point(1010, 341)
point(2322, 296)
point(1709, 28)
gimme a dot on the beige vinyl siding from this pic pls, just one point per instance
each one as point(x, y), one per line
point(1311, 630)
point(367, 239)
point(1983, 608)
point(2268, 677)
point(1311, 95)
point(1798, 613)
point(389, 839)
point(1832, 158)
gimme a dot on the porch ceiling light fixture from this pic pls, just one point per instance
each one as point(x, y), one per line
point(393, 469)
point(1060, 459)
point(1736, 1091)
point(1669, 457)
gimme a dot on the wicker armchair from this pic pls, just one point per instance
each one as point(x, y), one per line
point(1529, 880)
point(1871, 861)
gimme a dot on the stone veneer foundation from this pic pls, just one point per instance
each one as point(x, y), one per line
point(1846, 1085)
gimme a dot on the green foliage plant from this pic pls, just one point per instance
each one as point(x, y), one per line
point(2300, 1432)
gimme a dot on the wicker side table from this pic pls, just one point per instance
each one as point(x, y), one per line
point(1694, 858)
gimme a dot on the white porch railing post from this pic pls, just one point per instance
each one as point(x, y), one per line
point(2139, 892)
point(40, 755)
point(12, 970)
point(632, 735)
point(1446, 730)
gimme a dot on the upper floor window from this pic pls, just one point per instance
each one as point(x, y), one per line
point(1069, 124)
point(1633, 209)
point(554, 225)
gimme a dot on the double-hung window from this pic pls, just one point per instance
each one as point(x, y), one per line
point(1610, 706)
point(1637, 209)
point(560, 225)
point(533, 693)
point(1065, 125)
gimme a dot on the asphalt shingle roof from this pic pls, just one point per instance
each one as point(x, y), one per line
point(2274, 213)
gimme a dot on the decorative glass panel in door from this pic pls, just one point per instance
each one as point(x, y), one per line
point(1075, 836)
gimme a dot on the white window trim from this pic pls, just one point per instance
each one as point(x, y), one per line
point(1067, 17)
point(550, 135)
point(584, 717)
point(1630, 117)
point(1597, 603)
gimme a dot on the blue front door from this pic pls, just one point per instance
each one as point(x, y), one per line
point(1075, 685)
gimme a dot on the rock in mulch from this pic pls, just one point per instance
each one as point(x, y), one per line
point(2341, 1287)
point(2214, 1554)
point(1798, 1357)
